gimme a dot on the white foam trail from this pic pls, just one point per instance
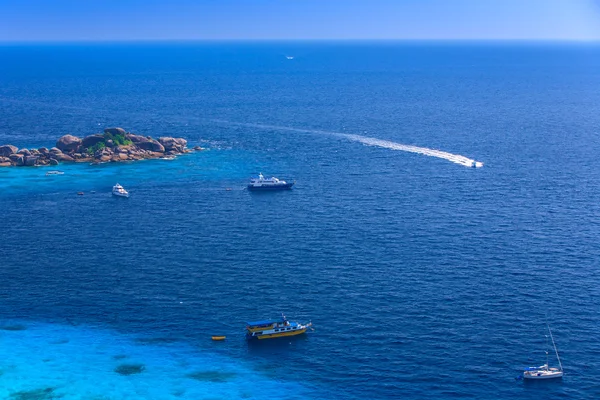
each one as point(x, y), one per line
point(370, 141)
point(455, 158)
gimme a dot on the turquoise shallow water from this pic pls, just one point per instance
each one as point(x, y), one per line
point(216, 165)
point(42, 360)
point(424, 278)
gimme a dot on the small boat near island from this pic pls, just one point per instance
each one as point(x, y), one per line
point(50, 173)
point(262, 183)
point(271, 329)
point(544, 371)
point(119, 191)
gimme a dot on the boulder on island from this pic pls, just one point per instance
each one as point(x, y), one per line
point(151, 145)
point(30, 161)
point(63, 157)
point(7, 150)
point(170, 143)
point(68, 143)
point(92, 140)
point(115, 131)
point(136, 138)
point(17, 159)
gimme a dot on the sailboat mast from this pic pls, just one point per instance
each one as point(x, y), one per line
point(555, 350)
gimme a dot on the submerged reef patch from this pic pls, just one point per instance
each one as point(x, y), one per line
point(157, 340)
point(212, 376)
point(16, 327)
point(130, 369)
point(36, 394)
point(59, 341)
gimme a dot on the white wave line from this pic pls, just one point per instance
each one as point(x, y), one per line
point(370, 141)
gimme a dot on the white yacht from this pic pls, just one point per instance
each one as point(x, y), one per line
point(544, 372)
point(262, 183)
point(119, 191)
point(54, 173)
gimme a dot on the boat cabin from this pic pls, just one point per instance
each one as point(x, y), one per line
point(258, 326)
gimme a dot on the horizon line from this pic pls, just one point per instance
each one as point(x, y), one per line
point(263, 40)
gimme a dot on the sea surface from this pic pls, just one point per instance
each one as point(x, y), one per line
point(423, 277)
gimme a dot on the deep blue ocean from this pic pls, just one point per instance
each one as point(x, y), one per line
point(423, 277)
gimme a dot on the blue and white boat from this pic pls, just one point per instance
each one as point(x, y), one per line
point(275, 328)
point(262, 183)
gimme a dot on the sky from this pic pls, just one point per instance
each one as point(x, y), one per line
point(127, 20)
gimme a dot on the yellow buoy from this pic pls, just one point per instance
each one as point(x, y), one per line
point(217, 338)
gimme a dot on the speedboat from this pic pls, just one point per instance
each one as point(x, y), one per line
point(49, 173)
point(262, 183)
point(119, 191)
point(275, 328)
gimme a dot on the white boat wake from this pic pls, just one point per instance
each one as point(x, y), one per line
point(370, 141)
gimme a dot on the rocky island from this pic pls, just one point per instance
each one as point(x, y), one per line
point(114, 145)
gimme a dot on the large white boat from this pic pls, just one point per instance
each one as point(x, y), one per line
point(119, 191)
point(544, 371)
point(262, 183)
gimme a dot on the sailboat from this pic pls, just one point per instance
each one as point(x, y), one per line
point(544, 371)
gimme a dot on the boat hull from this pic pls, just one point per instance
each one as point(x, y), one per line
point(543, 375)
point(277, 335)
point(285, 186)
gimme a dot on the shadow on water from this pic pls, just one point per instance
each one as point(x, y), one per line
point(279, 192)
point(268, 347)
point(547, 385)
